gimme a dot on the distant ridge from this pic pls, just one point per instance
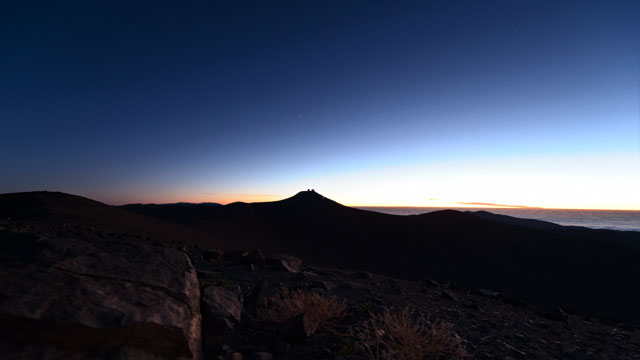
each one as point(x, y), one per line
point(182, 204)
point(61, 208)
point(588, 271)
point(505, 219)
point(538, 261)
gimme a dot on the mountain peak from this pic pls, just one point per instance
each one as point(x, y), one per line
point(308, 195)
point(309, 198)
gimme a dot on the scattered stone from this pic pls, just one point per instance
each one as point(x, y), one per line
point(196, 258)
point(483, 292)
point(449, 286)
point(235, 255)
point(522, 337)
point(321, 285)
point(285, 262)
point(221, 310)
point(511, 300)
point(471, 305)
point(575, 354)
point(553, 313)
point(430, 283)
point(254, 257)
point(308, 275)
point(541, 324)
point(363, 275)
point(515, 351)
point(346, 286)
point(298, 329)
point(261, 292)
point(212, 255)
point(262, 356)
point(281, 347)
point(447, 295)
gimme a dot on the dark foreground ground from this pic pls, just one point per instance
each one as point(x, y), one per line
point(71, 291)
point(490, 325)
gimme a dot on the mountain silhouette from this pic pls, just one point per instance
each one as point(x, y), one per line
point(505, 219)
point(82, 279)
point(589, 271)
point(584, 270)
point(60, 208)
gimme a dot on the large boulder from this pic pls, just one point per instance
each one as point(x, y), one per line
point(298, 328)
point(285, 262)
point(96, 298)
point(222, 310)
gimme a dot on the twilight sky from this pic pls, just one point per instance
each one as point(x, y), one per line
point(423, 103)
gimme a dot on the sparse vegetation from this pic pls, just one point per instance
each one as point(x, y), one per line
point(399, 335)
point(221, 280)
point(346, 349)
point(324, 309)
point(366, 307)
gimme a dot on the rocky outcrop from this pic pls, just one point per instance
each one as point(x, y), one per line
point(298, 328)
point(72, 294)
point(222, 309)
point(285, 262)
point(74, 298)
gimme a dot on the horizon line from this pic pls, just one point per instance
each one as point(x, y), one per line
point(478, 205)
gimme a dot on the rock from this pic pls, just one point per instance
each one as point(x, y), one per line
point(515, 351)
point(447, 295)
point(285, 262)
point(196, 258)
point(93, 296)
point(298, 328)
point(281, 347)
point(212, 255)
point(471, 305)
point(254, 257)
point(260, 293)
point(575, 354)
point(429, 282)
point(512, 300)
point(346, 286)
point(321, 285)
point(553, 313)
point(522, 337)
point(262, 356)
point(236, 356)
point(235, 255)
point(124, 352)
point(308, 275)
point(450, 286)
point(363, 275)
point(247, 347)
point(483, 292)
point(221, 311)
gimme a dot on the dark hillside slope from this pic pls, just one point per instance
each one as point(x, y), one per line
point(531, 223)
point(589, 271)
point(59, 208)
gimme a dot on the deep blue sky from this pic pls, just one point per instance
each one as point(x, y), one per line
point(376, 103)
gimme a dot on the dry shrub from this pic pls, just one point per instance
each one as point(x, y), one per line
point(324, 309)
point(401, 336)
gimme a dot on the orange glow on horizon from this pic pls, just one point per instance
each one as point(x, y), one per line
point(226, 199)
point(494, 207)
point(473, 184)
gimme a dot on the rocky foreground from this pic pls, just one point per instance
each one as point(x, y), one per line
point(75, 292)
